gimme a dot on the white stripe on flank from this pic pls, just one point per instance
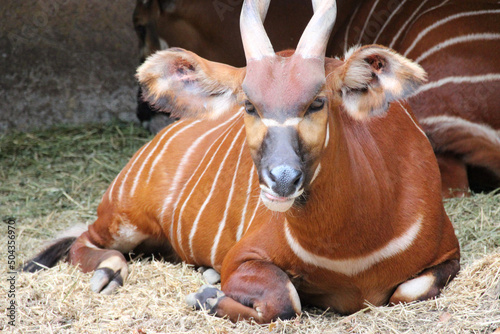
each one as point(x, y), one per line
point(288, 122)
point(458, 80)
point(164, 148)
point(388, 20)
point(157, 156)
point(446, 20)
point(411, 118)
point(366, 21)
point(444, 123)
point(457, 40)
point(239, 233)
point(222, 224)
point(194, 228)
point(178, 176)
point(403, 27)
point(253, 216)
point(111, 188)
point(172, 127)
point(353, 266)
point(346, 37)
point(132, 165)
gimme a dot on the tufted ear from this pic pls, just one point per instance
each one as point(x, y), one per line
point(181, 83)
point(373, 76)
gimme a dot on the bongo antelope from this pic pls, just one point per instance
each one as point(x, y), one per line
point(458, 108)
point(301, 179)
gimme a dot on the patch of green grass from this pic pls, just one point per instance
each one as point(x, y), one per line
point(63, 168)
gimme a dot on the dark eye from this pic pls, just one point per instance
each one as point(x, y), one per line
point(317, 105)
point(250, 109)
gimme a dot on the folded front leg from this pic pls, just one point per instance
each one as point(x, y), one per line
point(256, 290)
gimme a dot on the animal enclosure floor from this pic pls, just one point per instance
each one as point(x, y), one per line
point(53, 179)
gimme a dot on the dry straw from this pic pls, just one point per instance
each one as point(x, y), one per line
point(50, 180)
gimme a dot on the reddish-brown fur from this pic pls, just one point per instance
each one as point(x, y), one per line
point(368, 226)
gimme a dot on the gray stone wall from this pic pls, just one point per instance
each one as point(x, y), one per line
point(66, 61)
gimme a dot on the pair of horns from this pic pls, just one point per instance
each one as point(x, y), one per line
point(312, 43)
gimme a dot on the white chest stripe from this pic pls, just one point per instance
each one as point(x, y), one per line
point(353, 266)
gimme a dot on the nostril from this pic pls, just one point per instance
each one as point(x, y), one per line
point(298, 180)
point(272, 175)
point(286, 179)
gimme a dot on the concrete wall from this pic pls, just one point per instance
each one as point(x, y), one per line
point(66, 61)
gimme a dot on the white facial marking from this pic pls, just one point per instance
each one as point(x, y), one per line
point(274, 202)
point(327, 137)
point(353, 266)
point(289, 122)
point(316, 172)
point(278, 206)
point(416, 287)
